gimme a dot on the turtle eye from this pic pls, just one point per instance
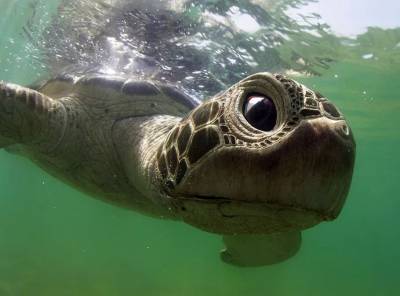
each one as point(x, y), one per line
point(260, 111)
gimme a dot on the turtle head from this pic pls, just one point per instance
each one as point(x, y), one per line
point(267, 155)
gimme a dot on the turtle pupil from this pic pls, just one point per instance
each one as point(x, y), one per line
point(260, 112)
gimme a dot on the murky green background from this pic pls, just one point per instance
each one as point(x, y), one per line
point(56, 241)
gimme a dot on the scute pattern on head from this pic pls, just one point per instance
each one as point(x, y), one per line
point(306, 102)
point(186, 144)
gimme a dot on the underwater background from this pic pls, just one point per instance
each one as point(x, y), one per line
point(55, 240)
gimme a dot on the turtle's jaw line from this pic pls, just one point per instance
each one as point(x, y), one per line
point(225, 200)
point(228, 216)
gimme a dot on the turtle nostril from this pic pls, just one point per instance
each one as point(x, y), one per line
point(345, 129)
point(342, 129)
point(260, 111)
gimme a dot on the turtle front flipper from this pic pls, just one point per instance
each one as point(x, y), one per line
point(29, 117)
point(259, 250)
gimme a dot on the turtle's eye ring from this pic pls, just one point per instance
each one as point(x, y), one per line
point(260, 111)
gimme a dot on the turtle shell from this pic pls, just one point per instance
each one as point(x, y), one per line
point(148, 97)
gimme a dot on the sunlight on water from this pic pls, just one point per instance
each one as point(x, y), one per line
point(55, 240)
point(350, 18)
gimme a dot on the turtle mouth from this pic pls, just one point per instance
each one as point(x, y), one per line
point(227, 216)
point(253, 208)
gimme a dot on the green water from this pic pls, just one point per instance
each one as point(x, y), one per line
point(56, 241)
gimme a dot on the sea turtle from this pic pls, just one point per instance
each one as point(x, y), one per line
point(256, 163)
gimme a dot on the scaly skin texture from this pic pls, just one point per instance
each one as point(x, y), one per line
point(135, 144)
